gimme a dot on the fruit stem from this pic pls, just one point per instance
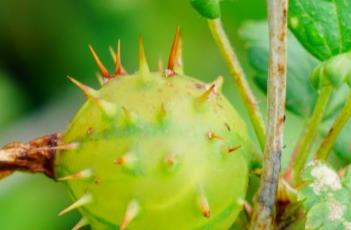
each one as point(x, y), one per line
point(301, 151)
point(36, 157)
point(238, 75)
point(265, 200)
point(334, 131)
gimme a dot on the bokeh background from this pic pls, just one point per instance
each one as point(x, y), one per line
point(41, 42)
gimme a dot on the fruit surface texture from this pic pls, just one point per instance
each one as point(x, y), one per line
point(155, 151)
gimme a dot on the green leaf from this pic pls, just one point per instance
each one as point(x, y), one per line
point(325, 198)
point(207, 8)
point(300, 94)
point(322, 26)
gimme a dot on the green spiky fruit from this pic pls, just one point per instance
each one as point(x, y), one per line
point(153, 151)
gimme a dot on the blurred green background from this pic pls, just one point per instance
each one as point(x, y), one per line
point(41, 42)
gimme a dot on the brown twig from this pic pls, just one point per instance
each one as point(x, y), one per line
point(263, 216)
point(36, 157)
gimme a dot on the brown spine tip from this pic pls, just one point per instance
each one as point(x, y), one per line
point(119, 69)
point(171, 160)
point(119, 161)
point(234, 148)
point(175, 61)
point(212, 136)
point(204, 205)
point(100, 65)
point(218, 84)
point(208, 93)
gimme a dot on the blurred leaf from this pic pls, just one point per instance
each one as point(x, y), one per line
point(322, 26)
point(326, 198)
point(342, 146)
point(33, 202)
point(300, 94)
point(12, 100)
point(207, 8)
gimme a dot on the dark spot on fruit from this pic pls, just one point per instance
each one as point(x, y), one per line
point(199, 86)
point(227, 126)
point(90, 131)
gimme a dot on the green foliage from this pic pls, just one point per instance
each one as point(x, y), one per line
point(342, 145)
point(300, 94)
point(326, 197)
point(12, 101)
point(322, 26)
point(207, 8)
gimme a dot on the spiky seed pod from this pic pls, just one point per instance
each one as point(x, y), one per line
point(149, 158)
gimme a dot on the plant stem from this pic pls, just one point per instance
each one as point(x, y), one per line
point(36, 157)
point(238, 75)
point(301, 151)
point(334, 131)
point(264, 207)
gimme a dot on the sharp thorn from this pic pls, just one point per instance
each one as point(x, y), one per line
point(82, 222)
point(84, 174)
point(175, 61)
point(132, 211)
point(212, 136)
point(234, 148)
point(113, 54)
point(84, 200)
point(127, 160)
point(162, 113)
point(100, 65)
point(108, 108)
point(207, 94)
point(119, 69)
point(143, 66)
point(100, 79)
point(88, 91)
point(218, 84)
point(204, 205)
point(128, 118)
point(71, 146)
